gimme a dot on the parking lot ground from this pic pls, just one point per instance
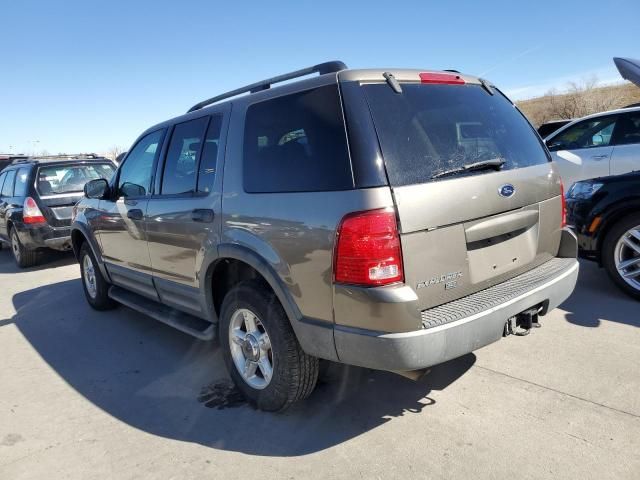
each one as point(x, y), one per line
point(87, 394)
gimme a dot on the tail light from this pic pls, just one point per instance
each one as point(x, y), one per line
point(368, 249)
point(31, 214)
point(564, 205)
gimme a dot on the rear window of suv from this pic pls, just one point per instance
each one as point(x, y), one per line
point(430, 129)
point(297, 143)
point(70, 178)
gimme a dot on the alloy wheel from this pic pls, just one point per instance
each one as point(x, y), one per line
point(15, 246)
point(89, 276)
point(627, 257)
point(251, 348)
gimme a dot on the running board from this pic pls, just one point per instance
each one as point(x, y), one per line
point(184, 322)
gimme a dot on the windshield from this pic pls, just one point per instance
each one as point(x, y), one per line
point(430, 129)
point(70, 178)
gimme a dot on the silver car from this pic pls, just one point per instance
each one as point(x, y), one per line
point(391, 219)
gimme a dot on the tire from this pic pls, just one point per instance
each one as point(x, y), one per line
point(24, 257)
point(96, 288)
point(613, 249)
point(293, 373)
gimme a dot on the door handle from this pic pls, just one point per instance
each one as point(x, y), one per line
point(599, 157)
point(135, 214)
point(204, 215)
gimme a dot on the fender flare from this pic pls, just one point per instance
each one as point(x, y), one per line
point(315, 336)
point(93, 244)
point(251, 258)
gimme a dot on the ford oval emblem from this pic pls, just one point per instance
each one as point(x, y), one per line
point(507, 190)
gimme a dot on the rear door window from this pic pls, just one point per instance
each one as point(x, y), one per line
point(181, 164)
point(210, 153)
point(2, 177)
point(7, 187)
point(297, 143)
point(430, 129)
point(628, 129)
point(22, 177)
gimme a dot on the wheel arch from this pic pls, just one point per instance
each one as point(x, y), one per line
point(611, 217)
point(79, 235)
point(316, 338)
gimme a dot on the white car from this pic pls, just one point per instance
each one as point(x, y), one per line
point(598, 145)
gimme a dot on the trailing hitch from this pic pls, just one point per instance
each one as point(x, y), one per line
point(522, 323)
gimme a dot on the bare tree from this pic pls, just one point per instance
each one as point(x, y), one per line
point(114, 152)
point(579, 99)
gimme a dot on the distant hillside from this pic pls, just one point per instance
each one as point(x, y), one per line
point(578, 101)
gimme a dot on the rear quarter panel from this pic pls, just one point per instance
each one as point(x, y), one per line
point(293, 232)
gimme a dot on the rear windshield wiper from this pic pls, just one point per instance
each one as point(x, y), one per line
point(494, 163)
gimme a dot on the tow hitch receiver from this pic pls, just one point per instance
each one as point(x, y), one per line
point(522, 323)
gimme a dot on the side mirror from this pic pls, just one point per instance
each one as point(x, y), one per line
point(597, 140)
point(553, 146)
point(97, 189)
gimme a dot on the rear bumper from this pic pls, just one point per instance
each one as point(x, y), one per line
point(44, 236)
point(430, 346)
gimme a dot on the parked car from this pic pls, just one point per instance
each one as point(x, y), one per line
point(548, 128)
point(348, 216)
point(605, 213)
point(36, 198)
point(598, 145)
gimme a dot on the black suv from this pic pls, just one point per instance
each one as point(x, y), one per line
point(605, 213)
point(37, 195)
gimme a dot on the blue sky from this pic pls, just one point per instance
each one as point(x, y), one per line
point(84, 76)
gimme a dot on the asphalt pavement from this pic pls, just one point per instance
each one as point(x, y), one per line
point(86, 394)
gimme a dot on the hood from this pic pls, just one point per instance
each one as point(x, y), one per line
point(629, 69)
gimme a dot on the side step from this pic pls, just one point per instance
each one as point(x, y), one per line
point(184, 322)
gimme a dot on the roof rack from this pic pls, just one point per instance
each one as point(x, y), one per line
point(322, 68)
point(77, 156)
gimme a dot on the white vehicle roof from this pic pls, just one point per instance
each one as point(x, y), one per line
point(593, 115)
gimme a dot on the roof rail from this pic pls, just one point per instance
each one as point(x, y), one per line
point(322, 68)
point(78, 156)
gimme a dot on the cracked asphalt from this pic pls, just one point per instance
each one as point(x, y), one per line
point(85, 395)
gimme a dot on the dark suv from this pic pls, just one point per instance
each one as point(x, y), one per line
point(605, 213)
point(36, 198)
point(391, 219)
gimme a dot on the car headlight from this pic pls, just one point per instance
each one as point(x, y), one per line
point(584, 190)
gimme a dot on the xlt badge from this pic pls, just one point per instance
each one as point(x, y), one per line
point(450, 280)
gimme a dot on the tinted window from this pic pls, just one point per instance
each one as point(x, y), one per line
point(20, 189)
point(2, 176)
point(210, 152)
point(7, 188)
point(70, 178)
point(136, 172)
point(588, 133)
point(628, 129)
point(182, 157)
point(297, 143)
point(429, 129)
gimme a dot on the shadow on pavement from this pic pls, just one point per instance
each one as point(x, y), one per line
point(150, 377)
point(598, 298)
point(48, 259)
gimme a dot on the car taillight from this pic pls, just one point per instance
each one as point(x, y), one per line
point(368, 249)
point(442, 78)
point(564, 205)
point(31, 214)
